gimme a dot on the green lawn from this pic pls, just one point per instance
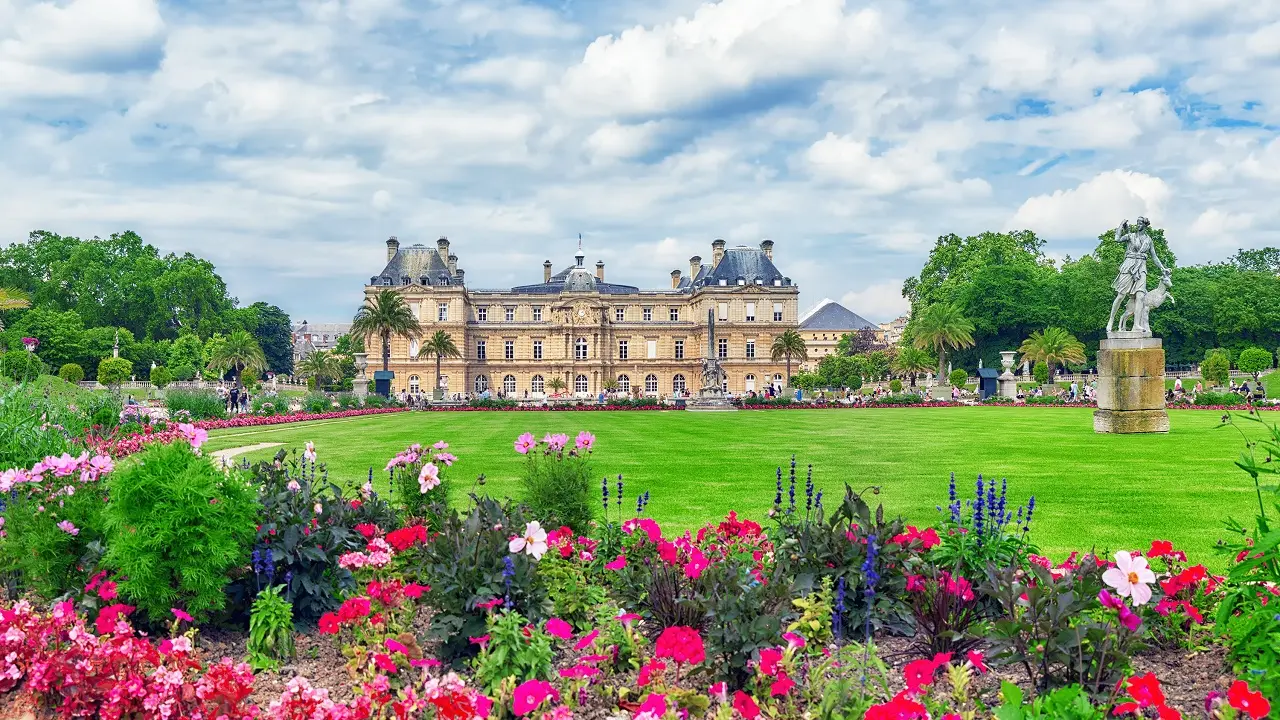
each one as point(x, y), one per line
point(1105, 490)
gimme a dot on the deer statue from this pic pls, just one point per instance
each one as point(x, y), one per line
point(1140, 305)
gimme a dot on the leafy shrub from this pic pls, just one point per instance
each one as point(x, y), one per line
point(895, 385)
point(558, 484)
point(574, 597)
point(71, 372)
point(270, 630)
point(740, 616)
point(33, 427)
point(102, 410)
point(21, 365)
point(946, 609)
point(316, 402)
point(493, 403)
point(1065, 703)
point(268, 405)
point(113, 370)
point(1044, 400)
point(199, 404)
point(958, 377)
point(1254, 360)
point(419, 477)
point(374, 400)
point(634, 402)
point(985, 530)
point(175, 526)
point(161, 377)
point(511, 653)
point(1216, 368)
point(1228, 399)
point(998, 400)
point(904, 399)
point(1040, 372)
point(348, 401)
point(184, 372)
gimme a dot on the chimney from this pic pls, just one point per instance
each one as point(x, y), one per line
point(675, 279)
point(767, 247)
point(393, 247)
point(546, 271)
point(695, 267)
point(442, 246)
point(461, 274)
point(600, 270)
point(453, 264)
point(717, 253)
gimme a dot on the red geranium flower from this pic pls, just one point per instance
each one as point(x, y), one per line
point(682, 644)
point(746, 705)
point(1253, 704)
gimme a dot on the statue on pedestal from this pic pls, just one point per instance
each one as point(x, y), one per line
point(1131, 283)
point(711, 395)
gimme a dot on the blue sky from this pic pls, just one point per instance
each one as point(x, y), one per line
point(286, 141)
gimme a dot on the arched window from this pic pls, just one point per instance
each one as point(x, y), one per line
point(624, 383)
point(580, 384)
point(651, 383)
point(537, 385)
point(580, 349)
point(482, 383)
point(751, 383)
point(777, 379)
point(509, 384)
point(413, 383)
point(413, 347)
point(677, 383)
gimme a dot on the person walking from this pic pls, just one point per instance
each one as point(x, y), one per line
point(234, 399)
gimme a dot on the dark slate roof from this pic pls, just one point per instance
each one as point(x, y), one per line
point(417, 261)
point(742, 263)
point(559, 284)
point(834, 316)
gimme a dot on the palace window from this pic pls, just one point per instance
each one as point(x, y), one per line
point(413, 383)
point(509, 384)
point(777, 312)
point(537, 384)
point(622, 349)
point(537, 349)
point(413, 347)
point(677, 384)
point(443, 312)
point(724, 311)
point(679, 349)
point(619, 314)
point(648, 314)
point(482, 314)
point(537, 313)
point(510, 314)
point(509, 349)
point(624, 383)
point(651, 383)
point(482, 383)
point(751, 312)
point(750, 383)
point(480, 352)
point(673, 314)
point(580, 349)
point(651, 348)
point(580, 384)
point(751, 348)
point(722, 349)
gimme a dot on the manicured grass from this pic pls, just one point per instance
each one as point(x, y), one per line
point(1108, 491)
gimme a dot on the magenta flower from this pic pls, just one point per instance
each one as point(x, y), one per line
point(587, 639)
point(584, 440)
point(442, 445)
point(181, 615)
point(525, 443)
point(68, 527)
point(617, 564)
point(559, 628)
point(556, 442)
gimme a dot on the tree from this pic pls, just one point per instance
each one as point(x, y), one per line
point(912, 362)
point(71, 372)
point(384, 315)
point(939, 328)
point(1265, 259)
point(238, 352)
point(61, 334)
point(1216, 369)
point(610, 385)
point(556, 384)
point(320, 365)
point(11, 299)
point(161, 377)
point(187, 350)
point(1254, 360)
point(442, 346)
point(1040, 371)
point(958, 377)
point(112, 371)
point(1054, 346)
point(274, 332)
point(860, 341)
point(789, 345)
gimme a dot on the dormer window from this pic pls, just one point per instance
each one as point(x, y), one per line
point(742, 281)
point(723, 281)
point(777, 283)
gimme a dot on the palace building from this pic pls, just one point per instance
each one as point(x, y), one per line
point(587, 332)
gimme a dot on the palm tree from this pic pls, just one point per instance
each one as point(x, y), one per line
point(384, 315)
point(11, 299)
point(321, 365)
point(912, 361)
point(1054, 346)
point(441, 345)
point(238, 352)
point(789, 345)
point(556, 384)
point(940, 327)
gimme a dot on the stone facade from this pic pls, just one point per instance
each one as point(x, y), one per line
point(585, 331)
point(1131, 386)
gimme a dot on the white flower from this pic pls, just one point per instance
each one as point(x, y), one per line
point(1130, 577)
point(429, 477)
point(294, 486)
point(309, 455)
point(534, 541)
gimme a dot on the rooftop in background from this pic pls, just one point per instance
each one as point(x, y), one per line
point(831, 315)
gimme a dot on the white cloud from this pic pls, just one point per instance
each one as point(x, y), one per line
point(510, 71)
point(616, 142)
point(1093, 206)
point(880, 302)
point(82, 32)
point(1214, 223)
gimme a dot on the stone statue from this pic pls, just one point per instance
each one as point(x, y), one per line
point(1131, 283)
point(713, 375)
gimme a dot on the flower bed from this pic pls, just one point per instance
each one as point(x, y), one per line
point(546, 408)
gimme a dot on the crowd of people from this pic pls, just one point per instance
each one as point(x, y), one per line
point(236, 398)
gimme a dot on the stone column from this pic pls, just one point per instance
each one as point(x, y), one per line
point(1131, 386)
point(1007, 383)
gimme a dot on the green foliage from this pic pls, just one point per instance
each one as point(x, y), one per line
point(348, 401)
point(574, 597)
point(813, 613)
point(1254, 360)
point(559, 487)
point(1055, 347)
point(21, 365)
point(895, 385)
point(61, 334)
point(317, 402)
point(941, 327)
point(1216, 369)
point(184, 373)
point(854, 679)
point(161, 377)
point(975, 534)
point(197, 404)
point(1225, 399)
point(322, 367)
point(1040, 372)
point(270, 326)
point(71, 372)
point(113, 371)
point(188, 351)
point(384, 315)
point(1064, 703)
point(238, 353)
point(788, 346)
point(512, 654)
point(175, 527)
point(33, 426)
point(269, 405)
point(270, 630)
point(742, 616)
point(958, 377)
point(903, 399)
point(52, 561)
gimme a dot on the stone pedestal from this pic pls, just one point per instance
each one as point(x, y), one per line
point(709, 401)
point(1007, 383)
point(1130, 386)
point(360, 387)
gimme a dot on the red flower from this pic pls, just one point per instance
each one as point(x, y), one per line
point(384, 663)
point(368, 530)
point(531, 694)
point(107, 616)
point(586, 640)
point(976, 659)
point(1145, 689)
point(746, 705)
point(782, 685)
point(414, 590)
point(329, 624)
point(404, 538)
point(1160, 548)
point(1252, 704)
point(682, 644)
point(107, 590)
point(617, 564)
point(901, 707)
point(650, 669)
point(918, 675)
point(769, 658)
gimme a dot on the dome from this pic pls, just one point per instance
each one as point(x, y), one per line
point(579, 280)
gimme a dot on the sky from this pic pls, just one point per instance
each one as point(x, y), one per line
point(286, 140)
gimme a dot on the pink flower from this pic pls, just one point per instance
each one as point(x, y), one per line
point(530, 695)
point(719, 690)
point(654, 706)
point(697, 563)
point(628, 618)
point(682, 644)
point(429, 478)
point(559, 628)
point(769, 659)
point(396, 646)
point(782, 685)
point(584, 441)
point(525, 443)
point(194, 435)
point(648, 670)
point(556, 442)
point(442, 445)
point(184, 617)
point(385, 663)
point(586, 640)
point(746, 705)
point(794, 641)
point(68, 527)
point(619, 563)
point(107, 591)
point(977, 660)
point(482, 641)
